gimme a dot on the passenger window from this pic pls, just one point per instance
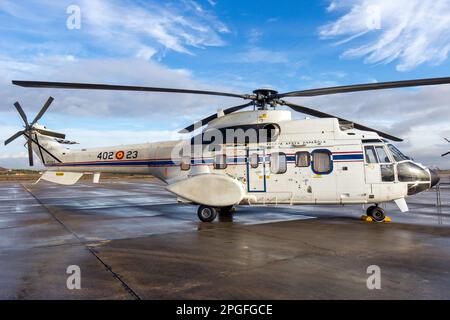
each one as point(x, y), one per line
point(278, 163)
point(254, 160)
point(370, 155)
point(382, 155)
point(220, 161)
point(302, 159)
point(185, 163)
point(321, 162)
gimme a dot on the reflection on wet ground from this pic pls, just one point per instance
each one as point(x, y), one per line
point(150, 240)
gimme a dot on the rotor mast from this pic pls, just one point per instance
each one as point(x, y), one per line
point(263, 98)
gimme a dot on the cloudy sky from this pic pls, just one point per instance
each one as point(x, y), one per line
point(227, 45)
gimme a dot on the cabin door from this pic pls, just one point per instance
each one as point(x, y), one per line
point(378, 167)
point(256, 170)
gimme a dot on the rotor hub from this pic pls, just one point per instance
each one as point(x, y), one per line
point(265, 92)
point(262, 100)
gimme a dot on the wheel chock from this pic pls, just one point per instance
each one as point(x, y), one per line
point(370, 219)
point(366, 218)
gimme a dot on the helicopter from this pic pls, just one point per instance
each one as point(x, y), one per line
point(255, 157)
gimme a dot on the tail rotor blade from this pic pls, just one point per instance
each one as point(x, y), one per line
point(30, 151)
point(13, 137)
point(22, 114)
point(43, 110)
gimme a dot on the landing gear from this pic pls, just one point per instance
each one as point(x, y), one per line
point(206, 213)
point(226, 211)
point(376, 213)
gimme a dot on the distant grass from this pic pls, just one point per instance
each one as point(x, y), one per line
point(19, 175)
point(13, 172)
point(26, 174)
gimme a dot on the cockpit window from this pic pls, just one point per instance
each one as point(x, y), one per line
point(382, 155)
point(410, 172)
point(397, 154)
point(370, 155)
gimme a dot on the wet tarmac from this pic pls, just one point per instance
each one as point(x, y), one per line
point(132, 240)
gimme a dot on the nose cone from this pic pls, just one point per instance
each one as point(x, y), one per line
point(434, 178)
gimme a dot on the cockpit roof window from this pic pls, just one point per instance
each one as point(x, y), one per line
point(397, 154)
point(382, 155)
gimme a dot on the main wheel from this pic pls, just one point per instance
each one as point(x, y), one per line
point(206, 213)
point(226, 210)
point(376, 213)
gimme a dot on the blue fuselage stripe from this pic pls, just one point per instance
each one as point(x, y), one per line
point(348, 157)
point(230, 160)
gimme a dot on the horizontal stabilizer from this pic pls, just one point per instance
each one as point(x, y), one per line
point(64, 178)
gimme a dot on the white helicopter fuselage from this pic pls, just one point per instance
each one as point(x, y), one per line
point(310, 161)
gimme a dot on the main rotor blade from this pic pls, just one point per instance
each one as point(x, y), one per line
point(206, 120)
point(447, 140)
point(443, 155)
point(42, 111)
point(30, 151)
point(22, 113)
point(237, 108)
point(321, 114)
point(13, 137)
point(364, 87)
point(96, 86)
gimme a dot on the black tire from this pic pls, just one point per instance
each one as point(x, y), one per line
point(226, 210)
point(369, 210)
point(377, 214)
point(206, 213)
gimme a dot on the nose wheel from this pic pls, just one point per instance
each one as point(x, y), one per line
point(206, 213)
point(376, 213)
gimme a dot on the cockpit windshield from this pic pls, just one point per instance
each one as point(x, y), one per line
point(397, 154)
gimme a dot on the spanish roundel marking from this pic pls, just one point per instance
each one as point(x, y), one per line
point(119, 155)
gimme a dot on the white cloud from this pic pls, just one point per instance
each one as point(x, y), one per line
point(100, 138)
point(412, 32)
point(123, 27)
point(254, 35)
point(107, 104)
point(260, 55)
point(146, 53)
point(13, 155)
point(132, 26)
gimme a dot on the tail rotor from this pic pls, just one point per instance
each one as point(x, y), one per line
point(28, 127)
